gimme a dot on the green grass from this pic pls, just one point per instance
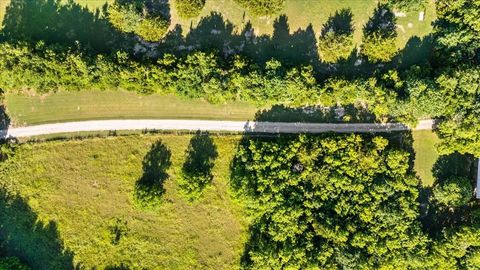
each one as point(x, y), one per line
point(425, 154)
point(300, 14)
point(82, 193)
point(85, 105)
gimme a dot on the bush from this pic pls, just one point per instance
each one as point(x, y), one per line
point(189, 8)
point(197, 169)
point(138, 18)
point(149, 188)
point(454, 192)
point(262, 7)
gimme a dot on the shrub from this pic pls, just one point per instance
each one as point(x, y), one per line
point(262, 7)
point(197, 169)
point(189, 8)
point(138, 18)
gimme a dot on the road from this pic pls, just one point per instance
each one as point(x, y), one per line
point(207, 125)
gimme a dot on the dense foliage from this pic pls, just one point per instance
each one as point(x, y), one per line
point(143, 18)
point(406, 5)
point(328, 203)
point(341, 202)
point(457, 31)
point(12, 263)
point(262, 7)
point(454, 192)
point(189, 8)
point(460, 130)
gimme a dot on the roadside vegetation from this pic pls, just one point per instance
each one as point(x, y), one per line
point(163, 201)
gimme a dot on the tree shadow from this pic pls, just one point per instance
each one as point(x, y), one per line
point(24, 236)
point(215, 34)
point(66, 24)
point(152, 8)
point(437, 217)
point(454, 164)
point(197, 169)
point(341, 23)
point(382, 22)
point(315, 114)
point(417, 51)
point(149, 188)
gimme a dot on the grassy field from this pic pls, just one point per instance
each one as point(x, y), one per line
point(300, 14)
point(81, 195)
point(425, 154)
point(84, 105)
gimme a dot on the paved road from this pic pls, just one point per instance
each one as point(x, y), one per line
point(235, 126)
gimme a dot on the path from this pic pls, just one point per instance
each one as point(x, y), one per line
point(232, 126)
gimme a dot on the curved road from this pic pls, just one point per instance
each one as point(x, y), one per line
point(206, 125)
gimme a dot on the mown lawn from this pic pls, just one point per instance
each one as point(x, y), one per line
point(87, 105)
point(425, 154)
point(300, 14)
point(80, 188)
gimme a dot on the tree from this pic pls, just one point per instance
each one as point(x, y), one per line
point(336, 40)
point(379, 35)
point(262, 7)
point(149, 188)
point(453, 192)
point(457, 31)
point(329, 202)
point(189, 8)
point(144, 18)
point(460, 128)
point(197, 169)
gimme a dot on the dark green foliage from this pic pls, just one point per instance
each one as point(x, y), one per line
point(336, 40)
point(406, 5)
point(60, 22)
point(453, 192)
point(460, 130)
point(149, 188)
point(12, 263)
point(146, 18)
point(262, 7)
point(189, 8)
point(379, 35)
point(458, 31)
point(197, 169)
point(328, 202)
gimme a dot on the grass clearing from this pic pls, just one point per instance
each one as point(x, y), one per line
point(88, 105)
point(424, 145)
point(82, 194)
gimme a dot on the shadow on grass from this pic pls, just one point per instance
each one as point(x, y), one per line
point(24, 236)
point(149, 188)
point(437, 217)
point(341, 23)
point(67, 24)
point(197, 169)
